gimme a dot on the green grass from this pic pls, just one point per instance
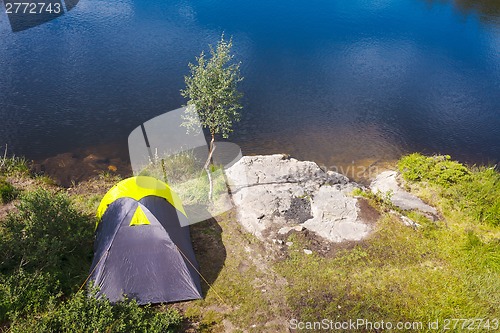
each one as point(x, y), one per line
point(398, 274)
point(13, 165)
point(195, 191)
point(184, 173)
point(473, 193)
point(174, 169)
point(378, 200)
point(248, 289)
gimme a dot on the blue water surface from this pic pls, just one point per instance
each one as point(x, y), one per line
point(330, 80)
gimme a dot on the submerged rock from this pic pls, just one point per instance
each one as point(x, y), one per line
point(275, 193)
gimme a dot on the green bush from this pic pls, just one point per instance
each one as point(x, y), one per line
point(414, 167)
point(23, 293)
point(439, 170)
point(85, 313)
point(47, 234)
point(7, 191)
point(474, 191)
point(45, 254)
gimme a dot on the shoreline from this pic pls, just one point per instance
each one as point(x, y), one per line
point(85, 163)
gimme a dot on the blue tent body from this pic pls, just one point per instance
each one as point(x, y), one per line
point(141, 250)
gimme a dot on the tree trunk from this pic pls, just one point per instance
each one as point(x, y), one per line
point(211, 185)
point(207, 169)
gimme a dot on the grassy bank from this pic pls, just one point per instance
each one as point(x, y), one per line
point(445, 269)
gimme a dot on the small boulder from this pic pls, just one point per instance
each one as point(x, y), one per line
point(387, 184)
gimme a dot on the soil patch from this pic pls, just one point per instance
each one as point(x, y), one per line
point(367, 212)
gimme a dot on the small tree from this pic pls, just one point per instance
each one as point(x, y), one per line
point(213, 97)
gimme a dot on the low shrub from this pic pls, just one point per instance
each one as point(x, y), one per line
point(7, 191)
point(439, 170)
point(84, 313)
point(23, 293)
point(47, 234)
point(45, 254)
point(473, 191)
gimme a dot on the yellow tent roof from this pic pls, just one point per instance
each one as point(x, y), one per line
point(138, 188)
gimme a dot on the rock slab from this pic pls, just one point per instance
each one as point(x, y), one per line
point(274, 193)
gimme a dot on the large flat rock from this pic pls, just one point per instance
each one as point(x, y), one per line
point(273, 193)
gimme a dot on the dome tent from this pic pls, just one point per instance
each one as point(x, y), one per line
point(141, 250)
